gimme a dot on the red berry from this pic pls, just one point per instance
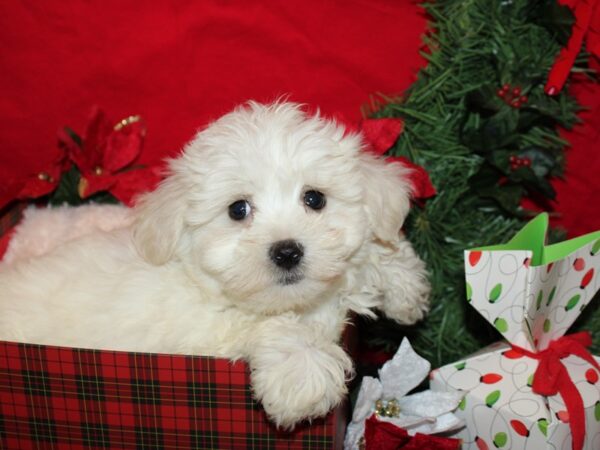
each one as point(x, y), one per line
point(512, 158)
point(516, 104)
point(526, 162)
point(506, 86)
point(516, 91)
point(523, 99)
point(501, 93)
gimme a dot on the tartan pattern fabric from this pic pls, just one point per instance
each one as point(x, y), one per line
point(66, 398)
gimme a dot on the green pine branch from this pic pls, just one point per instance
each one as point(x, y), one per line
point(482, 154)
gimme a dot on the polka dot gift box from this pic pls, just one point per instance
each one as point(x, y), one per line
point(540, 388)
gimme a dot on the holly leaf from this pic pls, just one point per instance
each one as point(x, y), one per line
point(529, 119)
point(543, 186)
point(542, 162)
point(556, 18)
point(484, 101)
point(550, 110)
point(507, 196)
point(498, 131)
point(66, 191)
point(527, 177)
point(501, 159)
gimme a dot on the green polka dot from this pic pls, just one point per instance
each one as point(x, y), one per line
point(572, 302)
point(595, 247)
point(543, 426)
point(501, 325)
point(500, 439)
point(495, 293)
point(492, 398)
point(547, 325)
point(551, 296)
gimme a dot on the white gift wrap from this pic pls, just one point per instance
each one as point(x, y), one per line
point(532, 294)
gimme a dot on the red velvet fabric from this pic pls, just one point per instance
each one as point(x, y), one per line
point(180, 64)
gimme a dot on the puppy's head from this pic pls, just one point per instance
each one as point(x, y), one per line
point(271, 207)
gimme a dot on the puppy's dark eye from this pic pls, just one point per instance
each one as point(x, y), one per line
point(239, 210)
point(314, 199)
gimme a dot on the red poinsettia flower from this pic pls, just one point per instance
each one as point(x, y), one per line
point(106, 158)
point(422, 186)
point(381, 134)
point(381, 435)
point(35, 185)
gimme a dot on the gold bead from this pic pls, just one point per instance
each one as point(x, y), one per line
point(44, 176)
point(128, 121)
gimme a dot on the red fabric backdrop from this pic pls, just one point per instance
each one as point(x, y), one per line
point(182, 63)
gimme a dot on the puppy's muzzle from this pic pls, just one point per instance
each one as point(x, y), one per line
point(286, 254)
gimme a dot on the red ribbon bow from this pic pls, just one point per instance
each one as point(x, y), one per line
point(386, 436)
point(587, 25)
point(551, 377)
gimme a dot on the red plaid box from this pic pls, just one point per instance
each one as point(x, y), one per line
point(55, 397)
point(67, 398)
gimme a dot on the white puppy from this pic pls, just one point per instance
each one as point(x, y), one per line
point(271, 226)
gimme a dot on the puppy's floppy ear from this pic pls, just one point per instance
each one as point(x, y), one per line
point(159, 220)
point(387, 192)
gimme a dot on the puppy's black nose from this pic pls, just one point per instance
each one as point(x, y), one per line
point(286, 254)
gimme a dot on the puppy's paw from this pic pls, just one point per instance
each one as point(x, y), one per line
point(406, 296)
point(296, 384)
point(409, 301)
point(399, 278)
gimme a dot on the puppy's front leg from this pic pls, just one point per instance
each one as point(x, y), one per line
point(297, 373)
point(399, 279)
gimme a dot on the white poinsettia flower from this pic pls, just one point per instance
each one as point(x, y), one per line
point(427, 412)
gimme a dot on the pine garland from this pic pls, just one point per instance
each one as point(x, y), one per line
point(483, 151)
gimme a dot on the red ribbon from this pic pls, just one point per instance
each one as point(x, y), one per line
point(387, 436)
point(586, 26)
point(551, 377)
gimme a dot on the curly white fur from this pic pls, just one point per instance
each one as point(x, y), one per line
point(186, 278)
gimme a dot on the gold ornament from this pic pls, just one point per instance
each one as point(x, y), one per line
point(387, 408)
point(128, 121)
point(43, 176)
